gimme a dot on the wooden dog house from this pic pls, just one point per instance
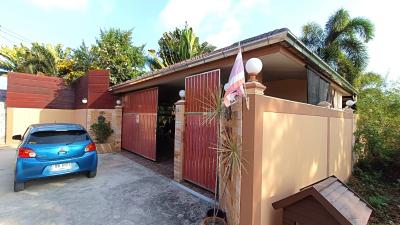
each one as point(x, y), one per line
point(328, 202)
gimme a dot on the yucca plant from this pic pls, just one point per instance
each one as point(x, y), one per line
point(228, 151)
point(212, 107)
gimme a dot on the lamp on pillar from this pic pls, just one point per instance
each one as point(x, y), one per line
point(253, 68)
point(84, 100)
point(182, 94)
point(118, 102)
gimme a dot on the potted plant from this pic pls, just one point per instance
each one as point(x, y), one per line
point(102, 129)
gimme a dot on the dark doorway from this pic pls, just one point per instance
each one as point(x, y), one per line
point(166, 124)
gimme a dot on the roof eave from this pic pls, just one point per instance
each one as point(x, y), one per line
point(262, 42)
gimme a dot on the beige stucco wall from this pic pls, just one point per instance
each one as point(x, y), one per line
point(80, 116)
point(340, 154)
point(293, 157)
point(18, 119)
point(300, 144)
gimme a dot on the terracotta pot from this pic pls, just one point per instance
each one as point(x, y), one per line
point(214, 221)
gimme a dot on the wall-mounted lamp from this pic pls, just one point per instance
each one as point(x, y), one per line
point(84, 100)
point(253, 68)
point(182, 94)
point(118, 102)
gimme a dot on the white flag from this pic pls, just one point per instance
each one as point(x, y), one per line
point(234, 87)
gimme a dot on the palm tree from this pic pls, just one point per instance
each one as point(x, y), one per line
point(342, 44)
point(42, 60)
point(13, 59)
point(46, 59)
point(176, 46)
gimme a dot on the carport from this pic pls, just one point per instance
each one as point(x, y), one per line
point(148, 125)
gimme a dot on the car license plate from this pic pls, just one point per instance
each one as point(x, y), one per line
point(60, 167)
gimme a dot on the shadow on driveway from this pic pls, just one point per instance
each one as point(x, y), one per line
point(123, 192)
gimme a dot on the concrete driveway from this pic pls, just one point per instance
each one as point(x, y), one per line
point(123, 192)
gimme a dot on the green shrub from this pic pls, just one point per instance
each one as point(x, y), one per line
point(378, 201)
point(378, 127)
point(102, 129)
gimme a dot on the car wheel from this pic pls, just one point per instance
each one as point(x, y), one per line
point(91, 174)
point(19, 186)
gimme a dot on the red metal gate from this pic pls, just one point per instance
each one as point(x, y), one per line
point(139, 122)
point(200, 137)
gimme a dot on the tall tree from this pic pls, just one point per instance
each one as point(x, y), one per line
point(176, 46)
point(115, 51)
point(342, 43)
point(82, 59)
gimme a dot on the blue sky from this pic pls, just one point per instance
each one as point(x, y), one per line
point(220, 22)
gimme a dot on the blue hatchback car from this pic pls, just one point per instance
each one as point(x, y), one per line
point(53, 149)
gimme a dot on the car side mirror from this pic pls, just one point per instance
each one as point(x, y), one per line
point(17, 137)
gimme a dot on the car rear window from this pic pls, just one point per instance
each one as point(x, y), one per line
point(56, 137)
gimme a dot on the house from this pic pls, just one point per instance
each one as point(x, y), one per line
point(328, 201)
point(288, 136)
point(288, 141)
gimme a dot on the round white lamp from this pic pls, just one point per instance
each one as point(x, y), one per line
point(182, 94)
point(84, 100)
point(118, 102)
point(350, 103)
point(226, 86)
point(253, 68)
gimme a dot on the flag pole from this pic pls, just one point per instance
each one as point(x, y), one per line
point(246, 98)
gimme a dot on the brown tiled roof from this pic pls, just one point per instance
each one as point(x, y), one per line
point(339, 200)
point(217, 51)
point(263, 39)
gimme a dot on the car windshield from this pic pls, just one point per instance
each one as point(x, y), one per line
point(56, 137)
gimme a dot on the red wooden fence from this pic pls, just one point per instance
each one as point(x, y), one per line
point(35, 91)
point(39, 91)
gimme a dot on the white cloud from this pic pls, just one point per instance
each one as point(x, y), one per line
point(230, 30)
point(73, 5)
point(177, 12)
point(220, 21)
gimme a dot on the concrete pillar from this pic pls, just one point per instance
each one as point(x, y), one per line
point(251, 195)
point(230, 201)
point(116, 122)
point(179, 138)
point(255, 88)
